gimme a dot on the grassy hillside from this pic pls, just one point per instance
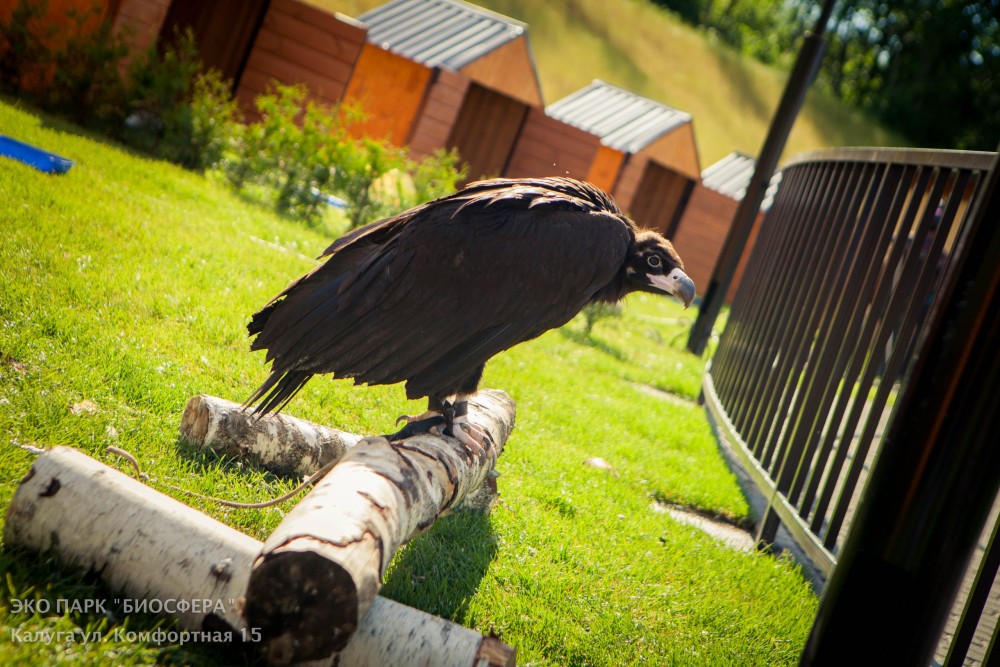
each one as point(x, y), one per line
point(127, 286)
point(641, 47)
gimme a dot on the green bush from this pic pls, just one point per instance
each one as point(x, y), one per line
point(299, 150)
point(288, 152)
point(296, 153)
point(86, 84)
point(437, 175)
point(22, 50)
point(214, 116)
point(72, 70)
point(361, 179)
point(159, 118)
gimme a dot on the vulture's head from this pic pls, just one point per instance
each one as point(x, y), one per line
point(654, 266)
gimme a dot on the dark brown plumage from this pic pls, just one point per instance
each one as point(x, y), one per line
point(428, 296)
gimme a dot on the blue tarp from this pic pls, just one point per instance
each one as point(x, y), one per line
point(36, 157)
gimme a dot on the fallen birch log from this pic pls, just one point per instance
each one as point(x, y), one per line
point(280, 443)
point(322, 566)
point(155, 549)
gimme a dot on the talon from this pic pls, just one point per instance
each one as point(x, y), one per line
point(472, 436)
point(409, 419)
point(416, 425)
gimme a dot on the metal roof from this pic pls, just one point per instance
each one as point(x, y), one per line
point(623, 120)
point(439, 33)
point(731, 175)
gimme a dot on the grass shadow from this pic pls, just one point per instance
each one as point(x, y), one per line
point(441, 570)
point(207, 459)
point(582, 338)
point(42, 594)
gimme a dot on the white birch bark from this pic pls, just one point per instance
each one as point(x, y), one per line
point(280, 443)
point(154, 548)
point(322, 568)
point(283, 444)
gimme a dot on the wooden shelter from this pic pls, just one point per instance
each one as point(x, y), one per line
point(641, 151)
point(446, 73)
point(709, 214)
point(298, 43)
point(255, 42)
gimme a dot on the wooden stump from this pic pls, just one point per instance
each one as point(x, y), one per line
point(157, 549)
point(321, 569)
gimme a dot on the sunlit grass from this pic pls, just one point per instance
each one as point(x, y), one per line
point(128, 283)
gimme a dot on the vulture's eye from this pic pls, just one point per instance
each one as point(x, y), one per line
point(654, 261)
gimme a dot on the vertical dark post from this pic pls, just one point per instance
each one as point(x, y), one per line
point(804, 71)
point(935, 479)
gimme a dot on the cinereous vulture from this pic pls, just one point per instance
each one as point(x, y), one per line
point(426, 297)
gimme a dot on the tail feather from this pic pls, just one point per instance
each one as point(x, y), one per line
point(276, 391)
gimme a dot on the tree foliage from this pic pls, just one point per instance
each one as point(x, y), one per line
point(929, 69)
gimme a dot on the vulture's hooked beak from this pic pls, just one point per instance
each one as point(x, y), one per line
point(677, 283)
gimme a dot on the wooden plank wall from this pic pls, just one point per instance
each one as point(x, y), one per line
point(486, 130)
point(390, 89)
point(508, 69)
point(439, 113)
point(660, 198)
point(702, 232)
point(298, 43)
point(605, 168)
point(628, 180)
point(677, 150)
point(548, 147)
point(140, 22)
point(60, 17)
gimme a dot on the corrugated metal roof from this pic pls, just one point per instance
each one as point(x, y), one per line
point(439, 33)
point(731, 175)
point(623, 120)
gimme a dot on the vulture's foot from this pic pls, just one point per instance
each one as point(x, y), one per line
point(449, 419)
point(459, 427)
point(474, 437)
point(431, 422)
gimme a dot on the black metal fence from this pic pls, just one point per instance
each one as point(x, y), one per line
point(828, 322)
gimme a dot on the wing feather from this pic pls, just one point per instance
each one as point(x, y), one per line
point(429, 296)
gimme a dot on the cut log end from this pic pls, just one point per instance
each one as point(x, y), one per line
point(494, 653)
point(292, 610)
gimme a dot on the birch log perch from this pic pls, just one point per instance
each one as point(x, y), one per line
point(280, 443)
point(322, 567)
point(155, 548)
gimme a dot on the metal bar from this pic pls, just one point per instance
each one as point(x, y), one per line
point(848, 360)
point(938, 474)
point(946, 159)
point(799, 337)
point(916, 293)
point(829, 248)
point(876, 334)
point(825, 367)
point(972, 610)
point(760, 274)
point(768, 312)
point(778, 316)
point(884, 318)
point(735, 356)
point(803, 72)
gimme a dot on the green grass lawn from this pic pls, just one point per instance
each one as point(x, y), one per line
point(128, 283)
